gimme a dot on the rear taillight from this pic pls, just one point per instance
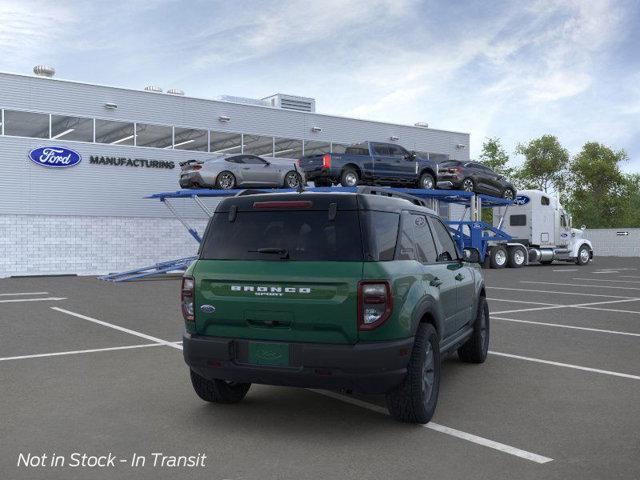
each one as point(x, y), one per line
point(298, 161)
point(186, 298)
point(375, 304)
point(326, 161)
point(196, 167)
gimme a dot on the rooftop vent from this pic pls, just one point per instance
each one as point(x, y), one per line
point(292, 102)
point(153, 88)
point(44, 71)
point(422, 124)
point(175, 91)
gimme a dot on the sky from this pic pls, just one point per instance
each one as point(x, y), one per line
point(514, 70)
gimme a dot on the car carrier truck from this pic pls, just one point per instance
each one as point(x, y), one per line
point(540, 231)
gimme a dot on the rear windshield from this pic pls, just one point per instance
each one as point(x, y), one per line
point(450, 163)
point(298, 235)
point(358, 149)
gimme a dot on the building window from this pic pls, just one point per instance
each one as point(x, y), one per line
point(224, 142)
point(157, 136)
point(312, 147)
point(190, 139)
point(114, 133)
point(338, 147)
point(257, 145)
point(26, 124)
point(287, 148)
point(72, 128)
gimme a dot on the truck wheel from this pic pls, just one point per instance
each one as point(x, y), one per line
point(476, 348)
point(498, 257)
point(583, 255)
point(414, 400)
point(349, 178)
point(218, 391)
point(426, 182)
point(517, 257)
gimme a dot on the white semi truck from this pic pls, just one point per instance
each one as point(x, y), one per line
point(540, 231)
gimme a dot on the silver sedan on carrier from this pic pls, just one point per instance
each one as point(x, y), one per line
point(239, 171)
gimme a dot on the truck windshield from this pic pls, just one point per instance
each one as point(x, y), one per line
point(294, 235)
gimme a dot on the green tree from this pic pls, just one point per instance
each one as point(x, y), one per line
point(545, 165)
point(631, 199)
point(599, 192)
point(495, 157)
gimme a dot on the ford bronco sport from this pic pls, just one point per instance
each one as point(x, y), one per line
point(362, 292)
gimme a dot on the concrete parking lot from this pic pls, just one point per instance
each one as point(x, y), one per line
point(94, 367)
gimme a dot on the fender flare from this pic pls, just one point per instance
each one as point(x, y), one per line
point(580, 243)
point(427, 306)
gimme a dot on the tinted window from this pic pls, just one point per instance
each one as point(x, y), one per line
point(517, 220)
point(544, 200)
point(305, 235)
point(250, 159)
point(235, 159)
point(382, 233)
point(381, 149)
point(396, 151)
point(406, 240)
point(26, 124)
point(425, 247)
point(446, 248)
point(449, 163)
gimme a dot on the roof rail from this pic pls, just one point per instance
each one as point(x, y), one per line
point(388, 192)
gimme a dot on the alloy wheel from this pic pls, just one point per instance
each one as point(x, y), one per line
point(351, 179)
point(292, 180)
point(428, 373)
point(467, 185)
point(226, 181)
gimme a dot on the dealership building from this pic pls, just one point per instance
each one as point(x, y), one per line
point(89, 215)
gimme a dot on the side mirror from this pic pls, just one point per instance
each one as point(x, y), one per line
point(267, 163)
point(471, 255)
point(583, 227)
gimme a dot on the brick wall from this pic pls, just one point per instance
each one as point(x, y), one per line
point(48, 245)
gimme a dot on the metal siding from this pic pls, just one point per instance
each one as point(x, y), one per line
point(104, 190)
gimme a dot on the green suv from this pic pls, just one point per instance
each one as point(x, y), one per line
point(361, 292)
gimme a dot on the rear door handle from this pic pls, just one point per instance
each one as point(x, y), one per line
point(246, 168)
point(436, 282)
point(459, 277)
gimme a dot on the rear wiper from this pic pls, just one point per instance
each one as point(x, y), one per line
point(283, 252)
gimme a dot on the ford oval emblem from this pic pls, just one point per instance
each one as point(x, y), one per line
point(55, 157)
point(207, 308)
point(521, 200)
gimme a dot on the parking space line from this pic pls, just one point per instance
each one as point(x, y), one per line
point(604, 280)
point(565, 365)
point(76, 352)
point(608, 309)
point(45, 299)
point(573, 327)
point(566, 269)
point(520, 301)
point(535, 309)
point(119, 328)
point(529, 290)
point(485, 442)
point(22, 293)
point(579, 285)
point(577, 305)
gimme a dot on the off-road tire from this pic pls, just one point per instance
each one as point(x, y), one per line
point(425, 178)
point(513, 260)
point(498, 257)
point(475, 349)
point(344, 177)
point(410, 402)
point(579, 260)
point(218, 391)
point(222, 175)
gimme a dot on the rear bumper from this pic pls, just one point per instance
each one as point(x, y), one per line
point(190, 180)
point(372, 368)
point(450, 183)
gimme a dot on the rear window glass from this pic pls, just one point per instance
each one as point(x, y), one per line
point(450, 163)
point(357, 150)
point(382, 233)
point(304, 235)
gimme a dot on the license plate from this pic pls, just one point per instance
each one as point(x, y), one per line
point(272, 354)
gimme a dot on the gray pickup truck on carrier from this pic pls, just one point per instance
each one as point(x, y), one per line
point(363, 292)
point(371, 163)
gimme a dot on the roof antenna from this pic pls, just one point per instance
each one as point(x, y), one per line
point(300, 187)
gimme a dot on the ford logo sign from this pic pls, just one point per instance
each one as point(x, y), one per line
point(55, 157)
point(521, 200)
point(208, 308)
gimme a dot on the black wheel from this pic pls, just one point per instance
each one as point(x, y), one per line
point(584, 255)
point(517, 257)
point(218, 391)
point(468, 185)
point(225, 180)
point(498, 257)
point(475, 349)
point(427, 181)
point(349, 178)
point(508, 194)
point(322, 182)
point(292, 179)
point(414, 400)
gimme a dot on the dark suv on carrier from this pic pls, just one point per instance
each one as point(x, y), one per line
point(362, 292)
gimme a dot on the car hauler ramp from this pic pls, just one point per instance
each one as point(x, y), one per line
point(473, 233)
